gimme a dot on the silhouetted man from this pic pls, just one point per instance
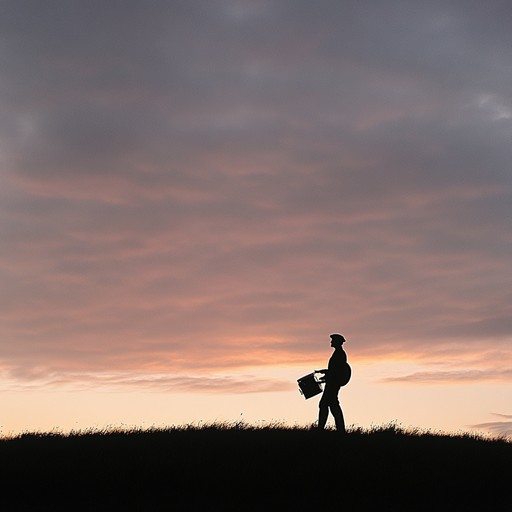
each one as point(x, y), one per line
point(334, 377)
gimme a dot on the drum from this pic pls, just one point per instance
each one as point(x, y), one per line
point(309, 386)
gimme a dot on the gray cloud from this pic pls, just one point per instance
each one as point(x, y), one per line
point(228, 170)
point(498, 428)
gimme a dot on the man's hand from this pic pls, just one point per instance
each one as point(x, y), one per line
point(324, 371)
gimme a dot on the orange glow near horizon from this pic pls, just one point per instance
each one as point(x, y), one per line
point(128, 400)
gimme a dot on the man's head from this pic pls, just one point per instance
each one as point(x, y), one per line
point(337, 340)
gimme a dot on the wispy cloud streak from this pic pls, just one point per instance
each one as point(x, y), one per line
point(457, 376)
point(240, 384)
point(499, 428)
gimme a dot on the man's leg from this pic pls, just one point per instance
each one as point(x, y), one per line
point(323, 412)
point(329, 396)
point(338, 417)
point(334, 405)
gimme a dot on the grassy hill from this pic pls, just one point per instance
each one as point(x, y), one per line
point(240, 467)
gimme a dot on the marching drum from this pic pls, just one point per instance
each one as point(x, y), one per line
point(309, 385)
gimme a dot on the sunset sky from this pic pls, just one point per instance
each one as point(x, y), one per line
point(195, 194)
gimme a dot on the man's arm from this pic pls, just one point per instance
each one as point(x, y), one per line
point(324, 376)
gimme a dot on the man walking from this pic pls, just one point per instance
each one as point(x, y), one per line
point(336, 375)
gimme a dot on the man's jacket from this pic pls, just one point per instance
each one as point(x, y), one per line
point(336, 370)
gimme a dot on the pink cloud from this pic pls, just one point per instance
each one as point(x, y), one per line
point(210, 200)
point(241, 384)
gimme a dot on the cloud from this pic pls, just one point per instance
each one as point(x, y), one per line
point(240, 384)
point(222, 185)
point(460, 376)
point(503, 415)
point(498, 428)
